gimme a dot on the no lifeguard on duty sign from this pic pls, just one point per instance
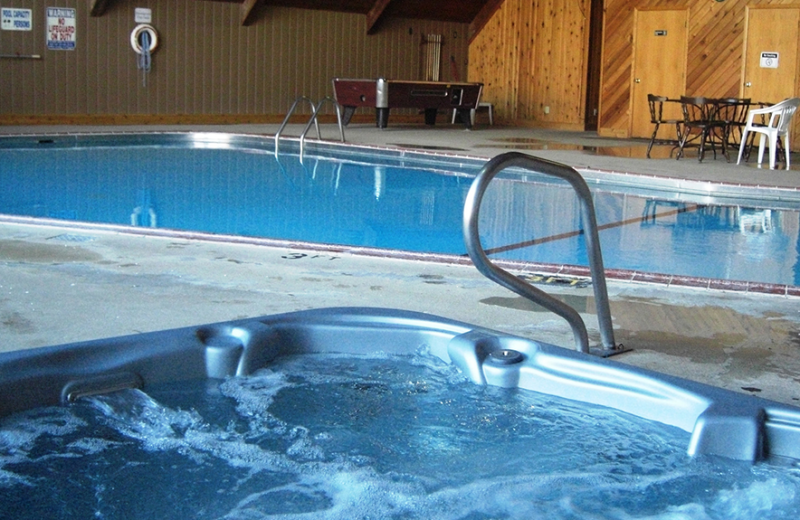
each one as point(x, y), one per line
point(61, 29)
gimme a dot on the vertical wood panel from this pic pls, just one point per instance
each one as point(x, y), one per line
point(207, 63)
point(530, 55)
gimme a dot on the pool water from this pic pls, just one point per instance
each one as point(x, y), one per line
point(397, 204)
point(371, 436)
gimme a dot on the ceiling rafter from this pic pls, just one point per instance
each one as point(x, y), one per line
point(375, 13)
point(248, 10)
point(98, 7)
point(475, 12)
point(483, 17)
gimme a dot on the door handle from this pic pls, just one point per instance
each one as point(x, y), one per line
point(748, 84)
point(637, 80)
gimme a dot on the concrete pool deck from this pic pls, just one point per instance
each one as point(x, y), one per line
point(62, 285)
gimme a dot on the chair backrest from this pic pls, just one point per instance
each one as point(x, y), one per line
point(785, 110)
point(695, 109)
point(732, 110)
point(656, 107)
point(780, 114)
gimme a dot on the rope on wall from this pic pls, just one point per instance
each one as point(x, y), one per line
point(145, 61)
point(144, 40)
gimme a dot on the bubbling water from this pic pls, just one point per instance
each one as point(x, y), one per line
point(344, 437)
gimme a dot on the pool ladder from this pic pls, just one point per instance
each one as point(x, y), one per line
point(312, 119)
point(476, 252)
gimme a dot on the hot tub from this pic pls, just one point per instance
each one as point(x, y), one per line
point(718, 428)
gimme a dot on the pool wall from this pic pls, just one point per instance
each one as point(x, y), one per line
point(721, 422)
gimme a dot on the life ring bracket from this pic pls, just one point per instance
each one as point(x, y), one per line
point(136, 44)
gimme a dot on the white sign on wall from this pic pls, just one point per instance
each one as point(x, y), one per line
point(16, 19)
point(142, 15)
point(61, 29)
point(769, 60)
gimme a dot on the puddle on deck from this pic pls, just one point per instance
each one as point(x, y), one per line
point(629, 151)
point(739, 351)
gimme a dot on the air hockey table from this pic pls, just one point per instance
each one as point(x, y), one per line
point(384, 94)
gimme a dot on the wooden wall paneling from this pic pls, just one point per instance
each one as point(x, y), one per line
point(303, 72)
point(21, 43)
point(511, 51)
point(188, 76)
point(714, 59)
point(219, 44)
point(528, 73)
point(492, 60)
point(229, 62)
point(207, 64)
point(544, 58)
point(247, 80)
point(616, 67)
point(542, 48)
point(716, 39)
point(93, 57)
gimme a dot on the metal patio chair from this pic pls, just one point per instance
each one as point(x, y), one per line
point(775, 129)
point(699, 119)
point(732, 115)
point(656, 104)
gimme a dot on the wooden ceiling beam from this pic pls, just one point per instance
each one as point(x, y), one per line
point(248, 11)
point(374, 14)
point(98, 7)
point(483, 17)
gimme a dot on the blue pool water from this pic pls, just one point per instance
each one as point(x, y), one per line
point(390, 201)
point(370, 436)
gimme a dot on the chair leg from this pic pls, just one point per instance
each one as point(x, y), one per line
point(741, 146)
point(761, 140)
point(786, 149)
point(703, 138)
point(681, 144)
point(773, 144)
point(652, 140)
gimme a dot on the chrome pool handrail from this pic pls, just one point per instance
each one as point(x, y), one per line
point(313, 119)
point(286, 119)
point(476, 252)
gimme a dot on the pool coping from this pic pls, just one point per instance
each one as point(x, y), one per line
point(561, 270)
point(595, 176)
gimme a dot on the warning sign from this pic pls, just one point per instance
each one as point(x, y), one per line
point(60, 29)
point(769, 60)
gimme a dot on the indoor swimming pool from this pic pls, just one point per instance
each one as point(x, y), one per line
point(362, 412)
point(394, 201)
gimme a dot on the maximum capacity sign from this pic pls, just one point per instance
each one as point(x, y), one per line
point(60, 29)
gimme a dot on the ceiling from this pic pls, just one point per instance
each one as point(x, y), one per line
point(473, 12)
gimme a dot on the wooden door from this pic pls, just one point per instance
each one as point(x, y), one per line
point(659, 66)
point(771, 53)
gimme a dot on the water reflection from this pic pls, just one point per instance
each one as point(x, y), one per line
point(394, 207)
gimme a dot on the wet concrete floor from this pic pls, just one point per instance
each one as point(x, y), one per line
point(59, 286)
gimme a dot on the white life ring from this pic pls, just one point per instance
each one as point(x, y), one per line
point(137, 31)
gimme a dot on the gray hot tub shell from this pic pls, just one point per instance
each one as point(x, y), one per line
point(721, 422)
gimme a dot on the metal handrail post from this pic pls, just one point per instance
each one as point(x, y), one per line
point(313, 119)
point(484, 265)
point(286, 119)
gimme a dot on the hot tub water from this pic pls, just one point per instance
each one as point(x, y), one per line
point(376, 436)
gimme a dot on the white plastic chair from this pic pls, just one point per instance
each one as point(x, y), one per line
point(780, 118)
